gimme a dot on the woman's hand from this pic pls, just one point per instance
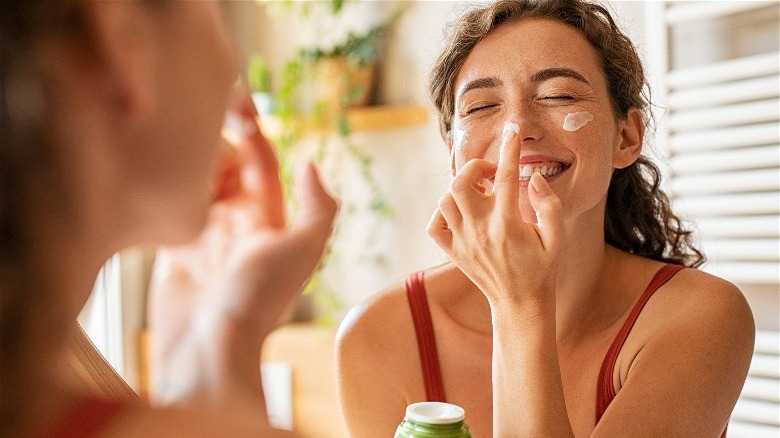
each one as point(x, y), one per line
point(510, 260)
point(212, 302)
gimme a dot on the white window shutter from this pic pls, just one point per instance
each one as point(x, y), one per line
point(719, 89)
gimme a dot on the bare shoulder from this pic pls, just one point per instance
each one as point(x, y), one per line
point(377, 363)
point(385, 319)
point(696, 300)
point(382, 320)
point(689, 352)
point(695, 319)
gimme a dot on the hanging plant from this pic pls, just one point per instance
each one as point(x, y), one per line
point(338, 77)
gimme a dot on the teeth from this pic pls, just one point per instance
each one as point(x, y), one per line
point(527, 170)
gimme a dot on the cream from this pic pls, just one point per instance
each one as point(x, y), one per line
point(459, 138)
point(510, 126)
point(575, 121)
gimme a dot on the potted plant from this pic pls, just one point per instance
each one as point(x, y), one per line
point(344, 75)
point(259, 80)
point(316, 87)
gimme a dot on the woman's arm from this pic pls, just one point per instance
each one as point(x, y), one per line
point(513, 263)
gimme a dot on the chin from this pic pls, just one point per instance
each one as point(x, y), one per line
point(185, 224)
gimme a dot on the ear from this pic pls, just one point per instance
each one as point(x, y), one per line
point(631, 131)
point(116, 33)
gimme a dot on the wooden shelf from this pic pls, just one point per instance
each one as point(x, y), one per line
point(376, 118)
point(363, 119)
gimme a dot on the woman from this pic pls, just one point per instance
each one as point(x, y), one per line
point(565, 310)
point(110, 122)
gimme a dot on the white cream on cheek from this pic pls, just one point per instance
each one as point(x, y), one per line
point(575, 121)
point(459, 138)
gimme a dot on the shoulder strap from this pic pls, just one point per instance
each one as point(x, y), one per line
point(88, 417)
point(426, 341)
point(605, 391)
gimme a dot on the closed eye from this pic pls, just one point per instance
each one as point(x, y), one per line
point(477, 108)
point(561, 97)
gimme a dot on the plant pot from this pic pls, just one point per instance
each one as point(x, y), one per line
point(341, 83)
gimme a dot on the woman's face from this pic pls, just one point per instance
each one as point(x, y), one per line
point(546, 77)
point(173, 155)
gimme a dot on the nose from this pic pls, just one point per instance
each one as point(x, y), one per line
point(527, 118)
point(530, 130)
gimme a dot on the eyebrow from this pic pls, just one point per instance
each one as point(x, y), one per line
point(549, 73)
point(541, 75)
point(489, 82)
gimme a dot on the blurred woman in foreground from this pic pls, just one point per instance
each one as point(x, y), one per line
point(110, 124)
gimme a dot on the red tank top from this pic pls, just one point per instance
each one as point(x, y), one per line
point(87, 418)
point(426, 342)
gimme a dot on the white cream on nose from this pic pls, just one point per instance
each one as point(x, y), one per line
point(510, 126)
point(575, 121)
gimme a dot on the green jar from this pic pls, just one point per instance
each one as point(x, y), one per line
point(433, 420)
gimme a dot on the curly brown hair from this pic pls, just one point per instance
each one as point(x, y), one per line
point(639, 218)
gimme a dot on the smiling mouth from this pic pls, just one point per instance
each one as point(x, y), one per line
point(546, 169)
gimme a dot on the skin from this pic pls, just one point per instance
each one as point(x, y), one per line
point(533, 296)
point(137, 151)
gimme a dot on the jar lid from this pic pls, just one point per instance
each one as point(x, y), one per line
point(435, 413)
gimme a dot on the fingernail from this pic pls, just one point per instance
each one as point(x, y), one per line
point(236, 128)
point(535, 181)
point(511, 129)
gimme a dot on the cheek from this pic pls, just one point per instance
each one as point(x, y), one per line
point(473, 143)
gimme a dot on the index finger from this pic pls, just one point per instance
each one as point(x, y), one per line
point(507, 187)
point(258, 167)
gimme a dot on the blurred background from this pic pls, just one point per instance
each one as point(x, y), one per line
point(344, 81)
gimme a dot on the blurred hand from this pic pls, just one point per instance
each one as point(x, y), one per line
point(212, 302)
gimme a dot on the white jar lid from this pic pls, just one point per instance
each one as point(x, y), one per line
point(435, 413)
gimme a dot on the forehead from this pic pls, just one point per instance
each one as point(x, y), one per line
point(520, 48)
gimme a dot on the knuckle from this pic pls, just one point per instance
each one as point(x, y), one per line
point(460, 184)
point(445, 200)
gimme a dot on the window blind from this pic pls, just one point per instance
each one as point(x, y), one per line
point(721, 133)
point(715, 69)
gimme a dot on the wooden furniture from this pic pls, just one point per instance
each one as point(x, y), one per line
point(87, 369)
point(309, 349)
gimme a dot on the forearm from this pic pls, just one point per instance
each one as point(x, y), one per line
point(528, 396)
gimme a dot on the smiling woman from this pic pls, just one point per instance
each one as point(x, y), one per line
point(566, 299)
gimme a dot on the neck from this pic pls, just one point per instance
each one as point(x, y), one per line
point(585, 264)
